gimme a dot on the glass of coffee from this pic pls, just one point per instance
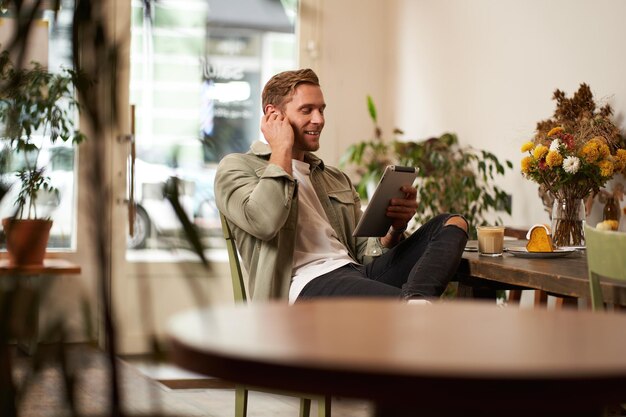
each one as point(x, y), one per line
point(490, 240)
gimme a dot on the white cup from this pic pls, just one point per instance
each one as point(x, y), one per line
point(490, 240)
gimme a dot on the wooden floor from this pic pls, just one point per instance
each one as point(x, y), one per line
point(43, 393)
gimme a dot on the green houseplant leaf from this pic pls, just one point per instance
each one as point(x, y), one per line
point(451, 178)
point(372, 109)
point(35, 104)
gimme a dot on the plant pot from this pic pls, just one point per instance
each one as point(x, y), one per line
point(27, 240)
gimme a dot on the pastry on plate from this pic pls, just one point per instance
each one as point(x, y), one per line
point(539, 239)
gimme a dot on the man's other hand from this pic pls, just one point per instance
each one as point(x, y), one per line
point(402, 210)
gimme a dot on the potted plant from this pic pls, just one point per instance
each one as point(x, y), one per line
point(96, 56)
point(451, 178)
point(36, 107)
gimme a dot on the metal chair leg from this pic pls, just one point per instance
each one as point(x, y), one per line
point(305, 407)
point(241, 401)
point(323, 406)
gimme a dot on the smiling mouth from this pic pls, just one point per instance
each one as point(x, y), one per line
point(312, 132)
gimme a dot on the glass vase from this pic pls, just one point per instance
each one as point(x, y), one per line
point(568, 222)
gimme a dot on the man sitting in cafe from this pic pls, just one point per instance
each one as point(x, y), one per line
point(293, 216)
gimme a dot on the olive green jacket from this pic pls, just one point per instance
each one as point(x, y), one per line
point(260, 201)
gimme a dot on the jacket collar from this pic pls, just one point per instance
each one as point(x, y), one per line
point(263, 150)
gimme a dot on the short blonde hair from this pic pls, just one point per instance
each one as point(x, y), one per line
point(281, 86)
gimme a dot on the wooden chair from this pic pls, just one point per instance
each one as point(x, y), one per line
point(606, 261)
point(239, 292)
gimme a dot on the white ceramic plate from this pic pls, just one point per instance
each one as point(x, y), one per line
point(574, 247)
point(521, 252)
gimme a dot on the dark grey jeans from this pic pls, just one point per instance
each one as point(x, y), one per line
point(418, 267)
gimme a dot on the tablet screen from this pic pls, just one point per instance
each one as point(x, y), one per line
point(374, 222)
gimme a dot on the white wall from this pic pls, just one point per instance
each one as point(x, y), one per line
point(352, 57)
point(486, 69)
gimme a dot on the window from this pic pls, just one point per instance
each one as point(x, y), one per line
point(59, 158)
point(197, 69)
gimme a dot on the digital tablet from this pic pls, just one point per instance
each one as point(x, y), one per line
point(374, 222)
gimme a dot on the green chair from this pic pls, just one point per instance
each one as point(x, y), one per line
point(239, 292)
point(605, 260)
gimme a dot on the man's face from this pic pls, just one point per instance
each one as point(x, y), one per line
point(305, 113)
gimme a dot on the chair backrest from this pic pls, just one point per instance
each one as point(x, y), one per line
point(239, 289)
point(606, 260)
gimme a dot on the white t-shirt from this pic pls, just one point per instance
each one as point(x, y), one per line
point(318, 250)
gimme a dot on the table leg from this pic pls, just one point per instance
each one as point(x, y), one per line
point(476, 292)
point(541, 298)
point(514, 296)
point(569, 302)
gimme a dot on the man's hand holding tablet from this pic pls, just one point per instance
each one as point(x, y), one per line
point(375, 221)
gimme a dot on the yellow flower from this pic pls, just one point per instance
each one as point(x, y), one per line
point(590, 152)
point(620, 160)
point(540, 151)
point(597, 139)
point(554, 131)
point(526, 164)
point(600, 143)
point(606, 168)
point(527, 146)
point(554, 159)
point(603, 150)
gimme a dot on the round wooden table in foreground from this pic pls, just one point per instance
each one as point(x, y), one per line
point(454, 358)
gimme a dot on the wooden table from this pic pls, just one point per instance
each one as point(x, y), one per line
point(446, 359)
point(565, 277)
point(24, 283)
point(19, 313)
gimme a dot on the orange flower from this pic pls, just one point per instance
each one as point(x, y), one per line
point(554, 131)
point(590, 152)
point(554, 159)
point(620, 160)
point(601, 145)
point(606, 168)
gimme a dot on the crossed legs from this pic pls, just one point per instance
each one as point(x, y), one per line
point(418, 267)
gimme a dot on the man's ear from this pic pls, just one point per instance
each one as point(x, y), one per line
point(271, 108)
